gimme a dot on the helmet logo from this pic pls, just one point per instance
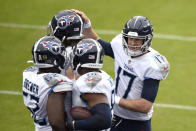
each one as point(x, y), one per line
point(52, 47)
point(83, 48)
point(65, 21)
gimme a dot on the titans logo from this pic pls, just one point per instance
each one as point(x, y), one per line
point(65, 21)
point(83, 48)
point(52, 47)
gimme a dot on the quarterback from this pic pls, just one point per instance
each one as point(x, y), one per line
point(138, 72)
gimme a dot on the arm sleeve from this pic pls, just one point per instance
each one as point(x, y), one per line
point(107, 48)
point(100, 119)
point(150, 89)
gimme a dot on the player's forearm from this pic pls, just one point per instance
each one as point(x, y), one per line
point(90, 33)
point(100, 120)
point(88, 30)
point(140, 105)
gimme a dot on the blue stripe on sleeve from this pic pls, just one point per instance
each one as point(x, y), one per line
point(107, 48)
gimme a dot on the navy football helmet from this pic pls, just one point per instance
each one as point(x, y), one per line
point(89, 54)
point(66, 25)
point(48, 52)
point(138, 27)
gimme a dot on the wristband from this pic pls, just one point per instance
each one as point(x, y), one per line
point(88, 25)
point(117, 99)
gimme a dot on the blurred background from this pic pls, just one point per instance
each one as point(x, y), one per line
point(22, 22)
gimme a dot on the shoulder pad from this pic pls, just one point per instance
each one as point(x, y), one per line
point(116, 39)
point(63, 86)
point(31, 69)
point(92, 79)
point(58, 82)
point(162, 63)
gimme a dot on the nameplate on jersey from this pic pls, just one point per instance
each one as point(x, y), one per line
point(30, 86)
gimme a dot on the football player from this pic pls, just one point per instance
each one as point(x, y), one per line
point(138, 72)
point(44, 88)
point(93, 87)
point(67, 26)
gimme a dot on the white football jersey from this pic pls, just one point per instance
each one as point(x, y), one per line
point(36, 88)
point(93, 82)
point(130, 74)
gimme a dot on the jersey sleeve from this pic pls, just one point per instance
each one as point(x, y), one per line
point(159, 68)
point(58, 82)
point(92, 83)
point(107, 48)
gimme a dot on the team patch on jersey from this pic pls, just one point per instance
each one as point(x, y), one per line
point(92, 79)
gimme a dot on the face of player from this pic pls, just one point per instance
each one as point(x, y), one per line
point(134, 44)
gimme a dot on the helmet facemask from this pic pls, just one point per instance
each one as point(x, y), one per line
point(136, 50)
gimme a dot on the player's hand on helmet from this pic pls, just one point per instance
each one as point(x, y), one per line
point(82, 15)
point(88, 30)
